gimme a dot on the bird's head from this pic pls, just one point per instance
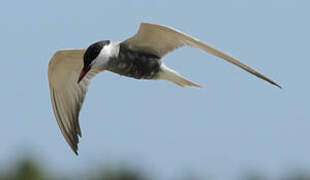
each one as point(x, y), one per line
point(96, 57)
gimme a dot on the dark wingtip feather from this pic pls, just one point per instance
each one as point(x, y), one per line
point(278, 85)
point(272, 82)
point(76, 152)
point(71, 138)
point(75, 148)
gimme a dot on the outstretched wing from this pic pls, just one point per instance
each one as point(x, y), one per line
point(66, 94)
point(160, 40)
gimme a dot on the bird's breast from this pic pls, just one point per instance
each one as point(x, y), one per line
point(135, 64)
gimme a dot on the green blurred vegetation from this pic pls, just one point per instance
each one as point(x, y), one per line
point(27, 168)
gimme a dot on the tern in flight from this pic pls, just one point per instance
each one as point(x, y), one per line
point(140, 57)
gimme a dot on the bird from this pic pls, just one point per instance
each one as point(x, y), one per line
point(141, 57)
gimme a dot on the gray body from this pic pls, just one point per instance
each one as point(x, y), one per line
point(134, 64)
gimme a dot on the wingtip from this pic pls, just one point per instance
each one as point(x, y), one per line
point(76, 152)
point(75, 148)
point(279, 86)
point(275, 84)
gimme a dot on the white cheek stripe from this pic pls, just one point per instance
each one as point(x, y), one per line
point(106, 52)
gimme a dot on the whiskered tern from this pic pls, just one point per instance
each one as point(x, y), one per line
point(140, 57)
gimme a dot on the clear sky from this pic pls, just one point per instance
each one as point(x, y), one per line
point(236, 123)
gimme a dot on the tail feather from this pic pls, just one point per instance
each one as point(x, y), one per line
point(172, 76)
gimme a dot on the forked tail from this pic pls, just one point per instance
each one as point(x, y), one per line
point(172, 76)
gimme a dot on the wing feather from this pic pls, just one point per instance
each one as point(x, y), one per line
point(67, 95)
point(161, 40)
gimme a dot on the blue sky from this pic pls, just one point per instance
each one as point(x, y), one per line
point(236, 123)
